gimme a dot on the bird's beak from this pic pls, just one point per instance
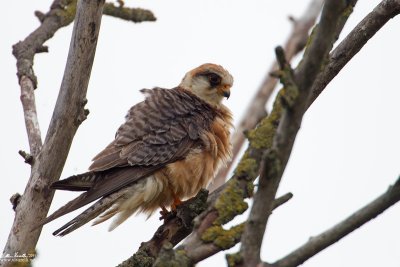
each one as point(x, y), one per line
point(225, 92)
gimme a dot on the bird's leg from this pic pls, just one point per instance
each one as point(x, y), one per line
point(165, 214)
point(176, 203)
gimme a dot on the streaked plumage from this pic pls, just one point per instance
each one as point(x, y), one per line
point(170, 147)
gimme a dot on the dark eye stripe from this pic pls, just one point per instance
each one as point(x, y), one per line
point(214, 79)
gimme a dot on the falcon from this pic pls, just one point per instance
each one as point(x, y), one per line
point(170, 146)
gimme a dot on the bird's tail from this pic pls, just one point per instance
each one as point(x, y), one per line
point(80, 182)
point(89, 214)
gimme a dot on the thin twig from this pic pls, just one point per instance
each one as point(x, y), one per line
point(256, 109)
point(26, 156)
point(340, 230)
point(127, 13)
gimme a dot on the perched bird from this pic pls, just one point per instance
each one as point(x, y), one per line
point(170, 147)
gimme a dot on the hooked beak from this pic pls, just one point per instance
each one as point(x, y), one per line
point(226, 94)
point(224, 91)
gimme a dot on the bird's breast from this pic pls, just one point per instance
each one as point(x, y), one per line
point(196, 171)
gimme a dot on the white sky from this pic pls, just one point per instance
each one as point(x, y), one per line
point(346, 154)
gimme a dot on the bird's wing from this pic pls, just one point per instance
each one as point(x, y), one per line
point(167, 122)
point(160, 130)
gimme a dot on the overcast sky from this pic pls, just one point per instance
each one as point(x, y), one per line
point(346, 153)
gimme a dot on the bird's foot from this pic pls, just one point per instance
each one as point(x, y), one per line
point(166, 215)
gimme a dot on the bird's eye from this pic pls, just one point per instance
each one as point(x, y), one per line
point(214, 79)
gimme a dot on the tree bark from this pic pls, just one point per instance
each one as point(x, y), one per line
point(68, 114)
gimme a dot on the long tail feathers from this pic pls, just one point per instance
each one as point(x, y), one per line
point(89, 214)
point(80, 182)
point(106, 186)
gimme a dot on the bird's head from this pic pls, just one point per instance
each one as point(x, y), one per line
point(210, 82)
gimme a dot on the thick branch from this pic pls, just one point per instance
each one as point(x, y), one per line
point(340, 230)
point(256, 110)
point(68, 114)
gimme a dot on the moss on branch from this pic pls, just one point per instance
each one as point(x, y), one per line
point(170, 258)
point(224, 239)
point(234, 259)
point(230, 203)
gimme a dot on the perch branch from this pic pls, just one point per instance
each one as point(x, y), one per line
point(175, 228)
point(340, 230)
point(69, 112)
point(178, 227)
point(256, 110)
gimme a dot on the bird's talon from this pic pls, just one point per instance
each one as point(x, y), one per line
point(166, 215)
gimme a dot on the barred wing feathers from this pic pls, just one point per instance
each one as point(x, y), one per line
point(155, 129)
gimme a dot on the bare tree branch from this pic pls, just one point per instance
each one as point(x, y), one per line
point(58, 16)
point(61, 14)
point(340, 230)
point(30, 114)
point(297, 87)
point(68, 114)
point(355, 40)
point(256, 110)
